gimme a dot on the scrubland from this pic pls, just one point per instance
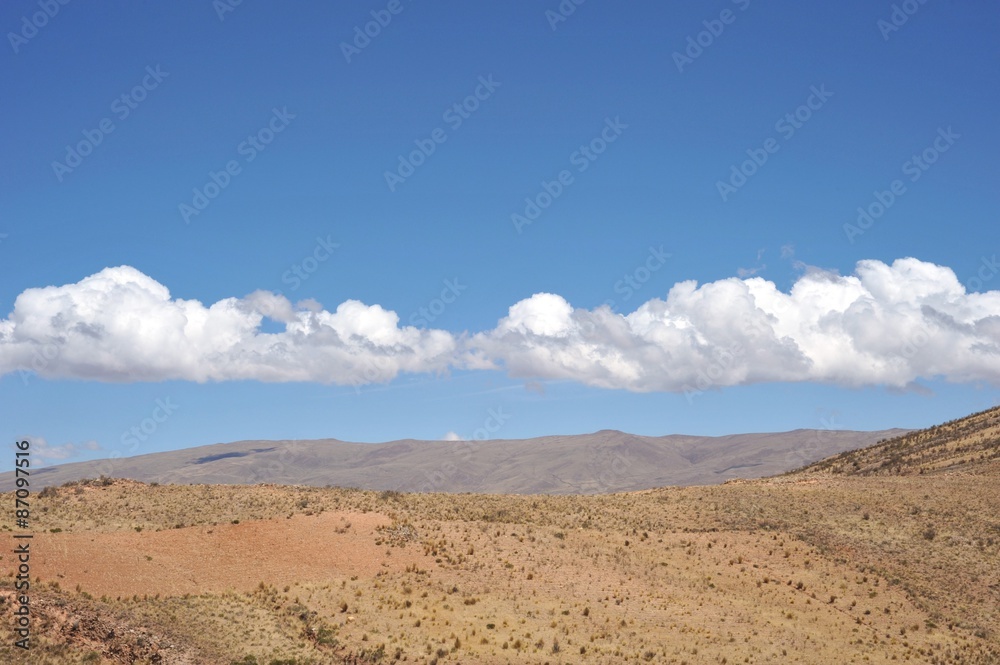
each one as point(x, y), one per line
point(884, 555)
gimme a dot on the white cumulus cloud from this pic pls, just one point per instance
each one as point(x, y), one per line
point(883, 325)
point(121, 325)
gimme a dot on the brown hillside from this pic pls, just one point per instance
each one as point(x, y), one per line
point(965, 444)
point(817, 568)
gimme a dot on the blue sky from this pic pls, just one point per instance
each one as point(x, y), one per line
point(151, 297)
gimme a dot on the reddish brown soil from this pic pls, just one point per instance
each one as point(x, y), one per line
point(216, 558)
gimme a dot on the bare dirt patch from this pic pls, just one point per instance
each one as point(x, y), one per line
point(207, 559)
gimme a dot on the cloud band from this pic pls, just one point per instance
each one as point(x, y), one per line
point(884, 325)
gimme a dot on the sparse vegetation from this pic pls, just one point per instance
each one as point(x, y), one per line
point(858, 564)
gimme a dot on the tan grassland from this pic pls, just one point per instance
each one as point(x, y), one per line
point(885, 555)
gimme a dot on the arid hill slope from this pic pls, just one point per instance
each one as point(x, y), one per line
point(816, 568)
point(962, 444)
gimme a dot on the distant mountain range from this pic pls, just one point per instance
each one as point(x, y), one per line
point(605, 461)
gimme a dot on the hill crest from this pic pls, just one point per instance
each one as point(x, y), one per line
point(966, 443)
